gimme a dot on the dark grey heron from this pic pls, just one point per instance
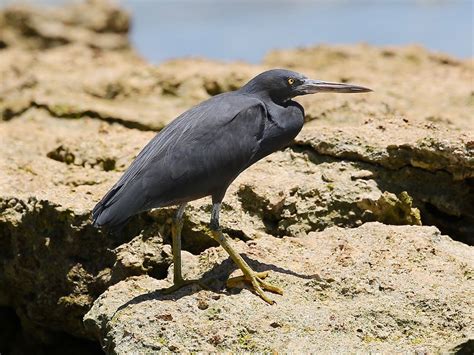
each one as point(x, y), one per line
point(202, 151)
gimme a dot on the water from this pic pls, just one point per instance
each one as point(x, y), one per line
point(246, 30)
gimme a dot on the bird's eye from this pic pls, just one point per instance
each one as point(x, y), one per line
point(291, 81)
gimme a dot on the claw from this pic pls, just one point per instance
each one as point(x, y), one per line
point(258, 285)
point(270, 287)
point(237, 280)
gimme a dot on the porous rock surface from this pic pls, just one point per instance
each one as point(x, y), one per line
point(94, 23)
point(78, 104)
point(373, 288)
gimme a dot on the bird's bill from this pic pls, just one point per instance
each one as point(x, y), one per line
point(310, 86)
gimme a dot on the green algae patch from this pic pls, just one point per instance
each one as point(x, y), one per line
point(393, 209)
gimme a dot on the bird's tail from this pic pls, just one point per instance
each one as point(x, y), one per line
point(111, 212)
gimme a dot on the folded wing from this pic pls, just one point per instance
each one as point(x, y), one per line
point(196, 155)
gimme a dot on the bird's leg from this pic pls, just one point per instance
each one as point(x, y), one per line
point(250, 276)
point(176, 228)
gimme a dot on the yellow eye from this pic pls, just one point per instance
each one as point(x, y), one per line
point(291, 81)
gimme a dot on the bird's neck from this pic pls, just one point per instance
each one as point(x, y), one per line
point(264, 95)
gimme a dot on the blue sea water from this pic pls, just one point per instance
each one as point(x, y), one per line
point(246, 30)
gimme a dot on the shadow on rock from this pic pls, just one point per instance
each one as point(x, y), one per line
point(213, 280)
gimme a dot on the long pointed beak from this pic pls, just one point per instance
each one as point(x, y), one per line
point(310, 86)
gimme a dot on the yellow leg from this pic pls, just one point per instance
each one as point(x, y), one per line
point(178, 281)
point(254, 278)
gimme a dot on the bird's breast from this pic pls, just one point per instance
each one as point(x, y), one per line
point(282, 125)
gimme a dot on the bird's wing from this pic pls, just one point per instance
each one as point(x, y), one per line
point(212, 153)
point(220, 134)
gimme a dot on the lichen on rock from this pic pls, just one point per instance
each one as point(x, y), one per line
point(393, 209)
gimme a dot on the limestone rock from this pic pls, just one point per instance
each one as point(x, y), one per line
point(51, 178)
point(434, 165)
point(77, 105)
point(95, 23)
point(374, 288)
point(396, 144)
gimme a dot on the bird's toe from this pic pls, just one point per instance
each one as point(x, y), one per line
point(183, 283)
point(257, 284)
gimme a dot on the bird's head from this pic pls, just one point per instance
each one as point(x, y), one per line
point(282, 85)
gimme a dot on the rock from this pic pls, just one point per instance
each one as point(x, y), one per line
point(394, 145)
point(403, 157)
point(94, 23)
point(374, 288)
point(53, 262)
point(290, 193)
point(314, 193)
point(465, 347)
point(52, 179)
point(111, 86)
point(393, 209)
point(77, 104)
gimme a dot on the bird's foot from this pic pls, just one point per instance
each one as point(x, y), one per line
point(180, 283)
point(256, 281)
